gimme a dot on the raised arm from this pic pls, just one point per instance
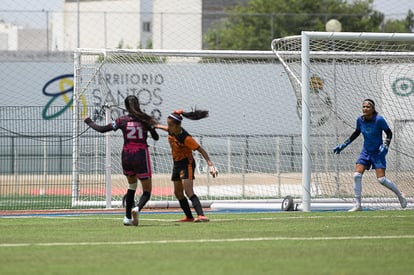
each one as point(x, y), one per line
point(96, 127)
point(162, 127)
point(338, 148)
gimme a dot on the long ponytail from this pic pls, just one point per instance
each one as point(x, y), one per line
point(132, 106)
point(195, 114)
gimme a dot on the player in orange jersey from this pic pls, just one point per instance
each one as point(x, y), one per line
point(182, 147)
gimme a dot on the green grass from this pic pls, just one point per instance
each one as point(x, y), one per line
point(370, 242)
point(30, 202)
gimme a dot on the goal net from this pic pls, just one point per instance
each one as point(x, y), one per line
point(252, 133)
point(330, 75)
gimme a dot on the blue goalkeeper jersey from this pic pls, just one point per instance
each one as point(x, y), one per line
point(372, 132)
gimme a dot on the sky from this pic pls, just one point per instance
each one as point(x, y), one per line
point(391, 8)
point(33, 19)
point(31, 4)
point(394, 8)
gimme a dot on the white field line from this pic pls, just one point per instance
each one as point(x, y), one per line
point(145, 217)
point(211, 241)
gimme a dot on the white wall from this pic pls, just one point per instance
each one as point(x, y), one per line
point(146, 16)
point(103, 24)
point(177, 32)
point(56, 27)
point(9, 36)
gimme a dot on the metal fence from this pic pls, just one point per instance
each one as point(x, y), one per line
point(51, 30)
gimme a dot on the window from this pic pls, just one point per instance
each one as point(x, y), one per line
point(146, 26)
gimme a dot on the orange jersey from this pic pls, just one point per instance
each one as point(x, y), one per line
point(182, 145)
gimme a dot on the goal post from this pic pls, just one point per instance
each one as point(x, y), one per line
point(252, 133)
point(331, 74)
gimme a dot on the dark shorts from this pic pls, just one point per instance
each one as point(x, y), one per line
point(374, 160)
point(183, 169)
point(136, 162)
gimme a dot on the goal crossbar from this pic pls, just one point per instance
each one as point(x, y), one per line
point(178, 53)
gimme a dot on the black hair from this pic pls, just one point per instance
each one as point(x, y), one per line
point(195, 114)
point(132, 106)
point(372, 103)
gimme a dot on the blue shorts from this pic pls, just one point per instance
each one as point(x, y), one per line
point(374, 160)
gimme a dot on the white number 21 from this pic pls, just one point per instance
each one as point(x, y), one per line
point(134, 131)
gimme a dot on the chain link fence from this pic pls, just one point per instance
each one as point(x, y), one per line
point(134, 24)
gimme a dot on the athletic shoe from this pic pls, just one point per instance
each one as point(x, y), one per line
point(403, 202)
point(127, 222)
point(201, 219)
point(186, 219)
point(356, 208)
point(135, 216)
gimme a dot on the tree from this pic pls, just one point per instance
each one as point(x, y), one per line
point(255, 25)
point(404, 25)
point(394, 25)
point(409, 21)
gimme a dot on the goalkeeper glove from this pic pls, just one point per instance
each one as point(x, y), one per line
point(213, 170)
point(338, 148)
point(383, 149)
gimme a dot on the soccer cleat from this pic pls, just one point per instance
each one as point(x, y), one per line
point(127, 222)
point(186, 219)
point(403, 202)
point(201, 219)
point(356, 208)
point(135, 216)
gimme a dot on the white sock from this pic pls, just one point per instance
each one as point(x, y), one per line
point(390, 185)
point(357, 187)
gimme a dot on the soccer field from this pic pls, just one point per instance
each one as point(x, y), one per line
point(369, 242)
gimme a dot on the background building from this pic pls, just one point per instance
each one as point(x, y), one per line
point(19, 38)
point(161, 24)
point(102, 24)
point(63, 25)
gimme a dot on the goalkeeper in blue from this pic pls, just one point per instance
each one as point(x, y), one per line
point(373, 153)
